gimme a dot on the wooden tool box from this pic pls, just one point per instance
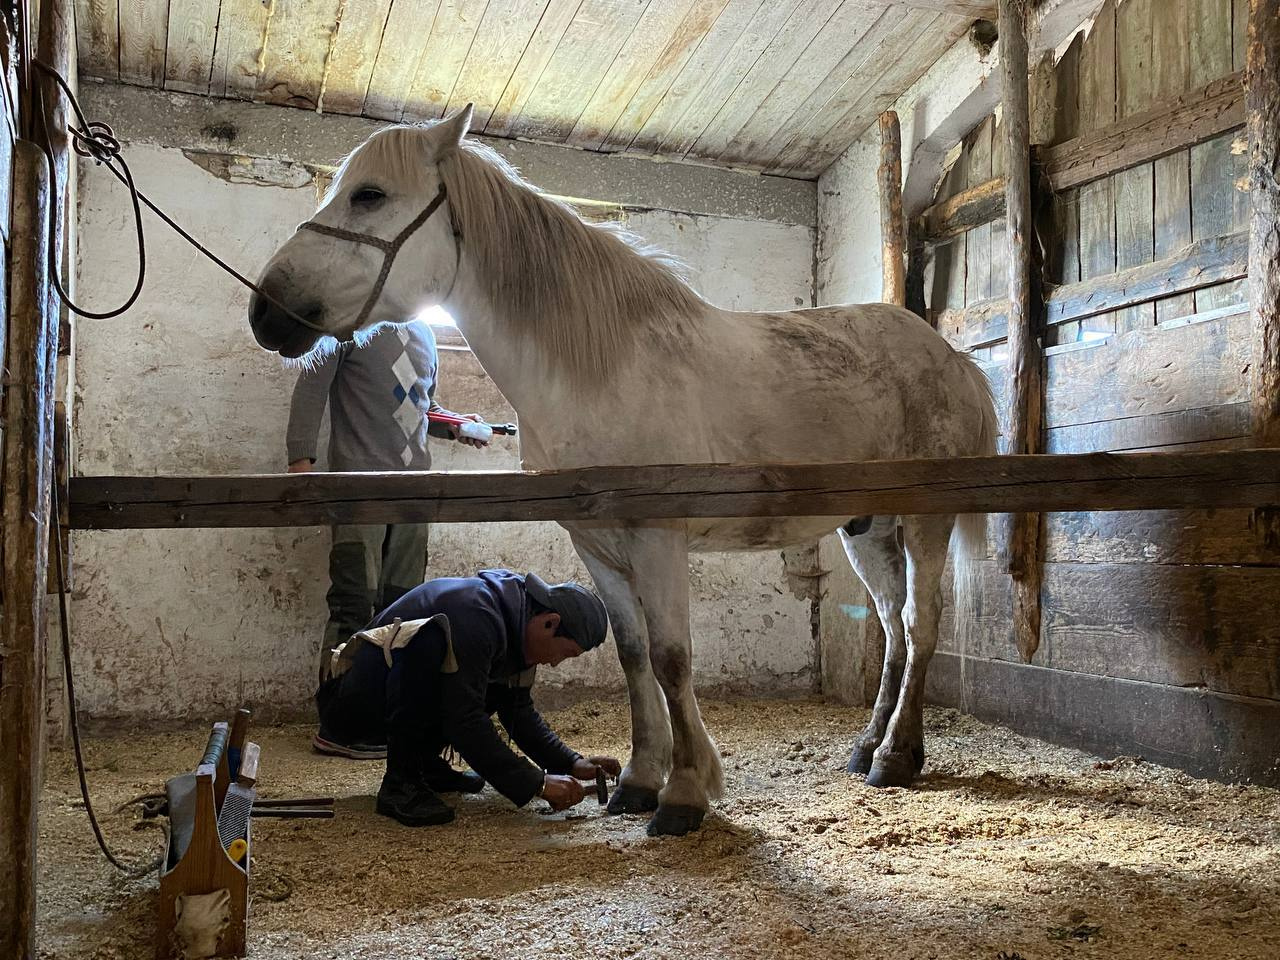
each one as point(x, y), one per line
point(204, 893)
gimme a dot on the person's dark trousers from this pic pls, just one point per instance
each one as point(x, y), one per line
point(353, 707)
point(415, 728)
point(370, 567)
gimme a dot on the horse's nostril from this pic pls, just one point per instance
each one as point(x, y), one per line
point(257, 309)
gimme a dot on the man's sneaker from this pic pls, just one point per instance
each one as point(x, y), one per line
point(411, 803)
point(352, 751)
point(442, 778)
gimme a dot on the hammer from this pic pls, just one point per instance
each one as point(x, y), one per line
point(602, 787)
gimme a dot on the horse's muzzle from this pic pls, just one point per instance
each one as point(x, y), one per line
point(275, 330)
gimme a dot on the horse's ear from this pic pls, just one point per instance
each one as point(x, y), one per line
point(448, 133)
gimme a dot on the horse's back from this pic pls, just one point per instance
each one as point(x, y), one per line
point(856, 382)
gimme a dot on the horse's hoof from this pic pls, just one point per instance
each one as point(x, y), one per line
point(892, 771)
point(630, 799)
point(675, 821)
point(861, 759)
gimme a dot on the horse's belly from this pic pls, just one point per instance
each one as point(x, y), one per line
point(758, 533)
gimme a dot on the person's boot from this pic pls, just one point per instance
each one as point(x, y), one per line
point(409, 801)
point(438, 774)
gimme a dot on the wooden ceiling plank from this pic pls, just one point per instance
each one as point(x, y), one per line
point(652, 36)
point(237, 53)
point(144, 27)
point(586, 52)
point(894, 84)
point(721, 83)
point(297, 47)
point(797, 45)
point(193, 28)
point(698, 71)
point(680, 48)
point(927, 46)
point(881, 58)
point(809, 84)
point(499, 44)
point(974, 9)
point(408, 24)
point(355, 50)
point(533, 61)
point(837, 89)
point(867, 87)
point(446, 50)
point(98, 38)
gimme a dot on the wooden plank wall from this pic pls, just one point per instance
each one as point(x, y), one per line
point(1158, 606)
point(8, 134)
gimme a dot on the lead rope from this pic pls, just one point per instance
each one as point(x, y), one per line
point(132, 872)
point(96, 140)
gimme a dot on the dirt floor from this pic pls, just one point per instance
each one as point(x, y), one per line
point(1009, 848)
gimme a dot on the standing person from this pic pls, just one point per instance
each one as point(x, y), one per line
point(378, 393)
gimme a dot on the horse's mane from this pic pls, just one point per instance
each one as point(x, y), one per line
point(588, 293)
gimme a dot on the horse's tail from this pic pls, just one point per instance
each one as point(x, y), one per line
point(969, 536)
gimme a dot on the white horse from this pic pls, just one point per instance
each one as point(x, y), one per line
point(583, 331)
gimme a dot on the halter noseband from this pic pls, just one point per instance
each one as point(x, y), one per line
point(389, 249)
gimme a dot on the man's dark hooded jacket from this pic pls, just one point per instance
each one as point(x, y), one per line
point(445, 685)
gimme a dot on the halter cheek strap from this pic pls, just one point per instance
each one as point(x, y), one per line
point(389, 248)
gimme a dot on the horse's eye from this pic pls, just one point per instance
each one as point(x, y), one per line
point(367, 195)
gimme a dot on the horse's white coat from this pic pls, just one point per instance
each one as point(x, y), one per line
point(610, 360)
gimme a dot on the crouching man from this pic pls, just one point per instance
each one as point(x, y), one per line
point(435, 666)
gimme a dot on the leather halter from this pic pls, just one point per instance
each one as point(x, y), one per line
point(389, 249)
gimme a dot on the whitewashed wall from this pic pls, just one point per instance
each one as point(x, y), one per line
point(937, 110)
point(185, 623)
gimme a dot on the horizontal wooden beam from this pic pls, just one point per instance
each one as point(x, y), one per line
point(1200, 264)
point(1095, 481)
point(1166, 128)
point(970, 208)
point(980, 325)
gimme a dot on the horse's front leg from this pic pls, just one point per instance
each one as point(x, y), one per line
point(645, 773)
point(661, 569)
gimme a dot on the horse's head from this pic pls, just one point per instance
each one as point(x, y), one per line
point(380, 248)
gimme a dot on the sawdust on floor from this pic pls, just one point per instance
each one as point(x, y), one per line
point(1008, 848)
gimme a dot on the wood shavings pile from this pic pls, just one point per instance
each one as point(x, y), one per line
point(1008, 845)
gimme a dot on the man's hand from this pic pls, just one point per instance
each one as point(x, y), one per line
point(457, 431)
point(585, 768)
point(562, 792)
point(301, 466)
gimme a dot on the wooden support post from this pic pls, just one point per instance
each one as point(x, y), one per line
point(892, 227)
point(893, 289)
point(917, 259)
point(1262, 122)
point(28, 460)
point(1025, 360)
point(28, 475)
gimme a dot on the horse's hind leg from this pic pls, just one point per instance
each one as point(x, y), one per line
point(646, 771)
point(878, 560)
point(901, 754)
